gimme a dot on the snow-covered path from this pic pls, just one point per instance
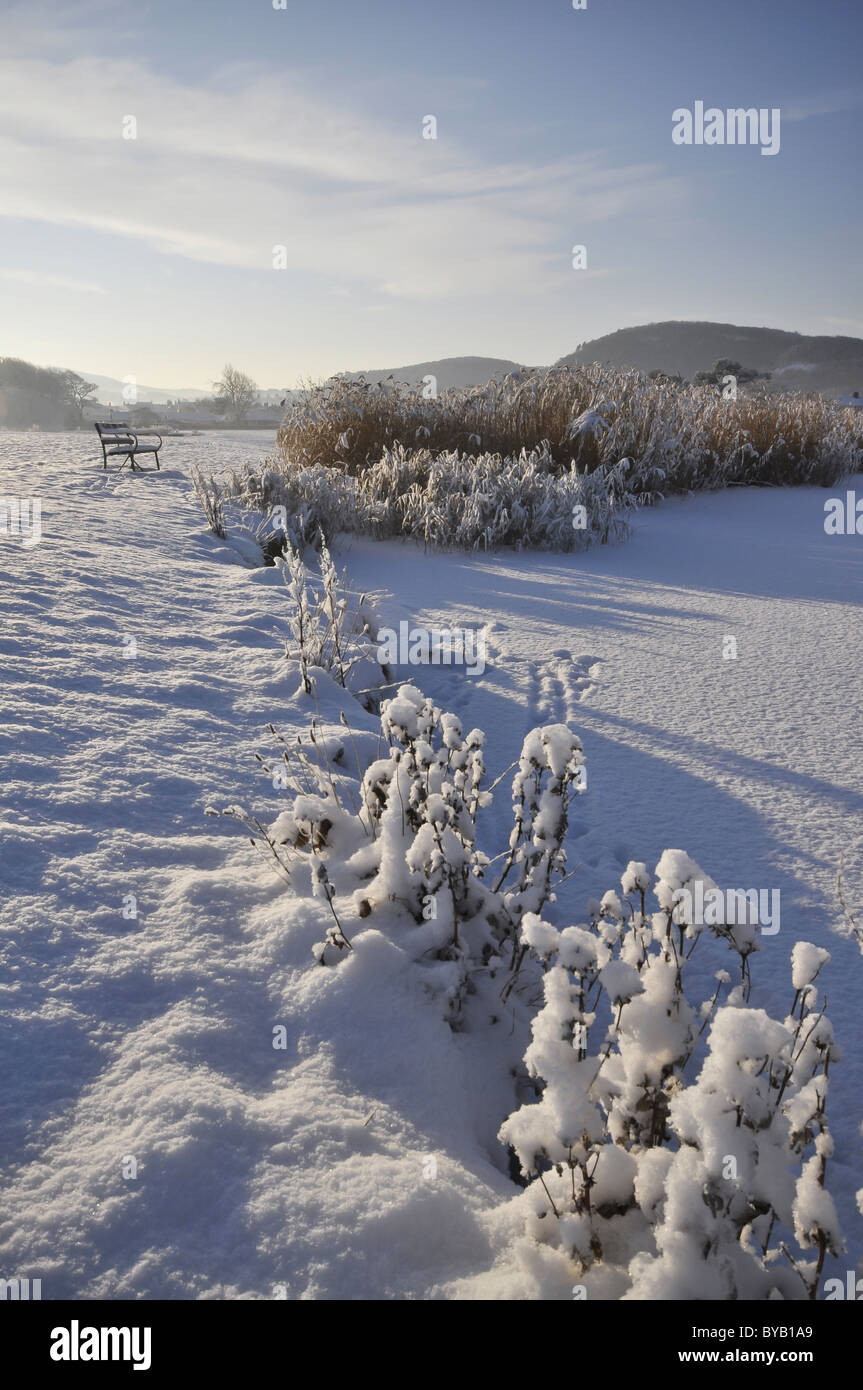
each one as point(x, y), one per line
point(135, 669)
point(256, 1172)
point(141, 663)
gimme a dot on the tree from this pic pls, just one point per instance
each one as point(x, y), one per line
point(52, 397)
point(725, 367)
point(75, 391)
point(236, 392)
point(33, 395)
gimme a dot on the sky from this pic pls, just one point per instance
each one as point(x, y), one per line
point(153, 155)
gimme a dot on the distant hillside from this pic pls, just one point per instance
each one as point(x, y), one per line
point(798, 362)
point(449, 371)
point(109, 388)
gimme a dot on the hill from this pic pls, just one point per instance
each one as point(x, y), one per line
point(110, 388)
point(797, 361)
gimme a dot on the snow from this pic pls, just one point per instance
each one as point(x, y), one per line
point(620, 981)
point(806, 961)
point(361, 1158)
point(813, 1208)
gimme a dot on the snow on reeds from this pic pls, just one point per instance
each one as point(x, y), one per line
point(593, 416)
point(449, 500)
point(551, 459)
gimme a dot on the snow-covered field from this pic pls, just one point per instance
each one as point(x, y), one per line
point(155, 1143)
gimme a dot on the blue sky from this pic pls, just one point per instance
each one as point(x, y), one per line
point(302, 127)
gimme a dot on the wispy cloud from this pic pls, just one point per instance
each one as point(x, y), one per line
point(221, 173)
point(50, 281)
point(827, 104)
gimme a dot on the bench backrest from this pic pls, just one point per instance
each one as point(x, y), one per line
point(112, 427)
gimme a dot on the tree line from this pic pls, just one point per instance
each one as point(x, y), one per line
point(50, 397)
point(54, 398)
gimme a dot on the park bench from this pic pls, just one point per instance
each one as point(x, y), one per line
point(118, 440)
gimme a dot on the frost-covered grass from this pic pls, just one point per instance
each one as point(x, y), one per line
point(332, 629)
point(678, 437)
point(448, 500)
point(209, 494)
point(552, 460)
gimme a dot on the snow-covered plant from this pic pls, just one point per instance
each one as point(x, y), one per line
point(332, 629)
point(453, 499)
point(251, 530)
point(209, 493)
point(653, 1183)
point(421, 866)
point(550, 772)
point(398, 848)
point(551, 459)
point(595, 415)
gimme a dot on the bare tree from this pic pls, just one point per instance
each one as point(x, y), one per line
point(236, 392)
point(75, 391)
